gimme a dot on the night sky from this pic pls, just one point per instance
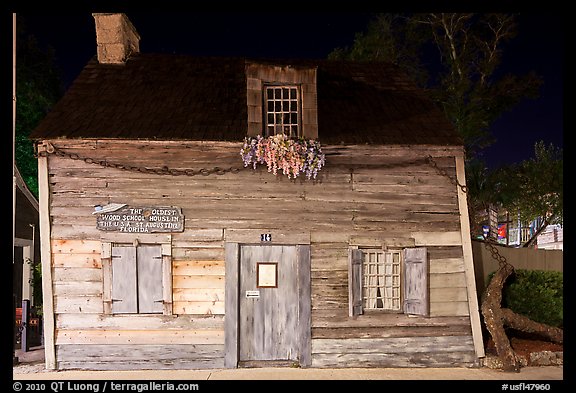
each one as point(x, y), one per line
point(539, 46)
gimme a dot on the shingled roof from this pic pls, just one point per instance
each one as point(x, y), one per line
point(178, 97)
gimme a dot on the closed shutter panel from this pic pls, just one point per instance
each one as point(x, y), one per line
point(124, 280)
point(416, 281)
point(150, 296)
point(355, 282)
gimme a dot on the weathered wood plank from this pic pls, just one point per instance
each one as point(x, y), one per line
point(328, 237)
point(450, 294)
point(139, 322)
point(437, 238)
point(383, 241)
point(360, 204)
point(66, 337)
point(199, 234)
point(150, 364)
point(200, 253)
point(446, 265)
point(78, 304)
point(395, 360)
point(396, 345)
point(76, 246)
point(333, 276)
point(198, 294)
point(391, 331)
point(450, 308)
point(195, 307)
point(76, 274)
point(340, 319)
point(439, 252)
point(129, 352)
point(205, 281)
point(119, 357)
point(448, 280)
point(77, 260)
point(189, 268)
point(77, 288)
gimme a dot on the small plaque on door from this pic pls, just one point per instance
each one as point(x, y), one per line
point(252, 294)
point(267, 275)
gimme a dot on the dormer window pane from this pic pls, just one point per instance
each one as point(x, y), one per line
point(282, 110)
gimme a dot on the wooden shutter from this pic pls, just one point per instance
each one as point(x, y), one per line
point(416, 299)
point(355, 259)
point(150, 294)
point(124, 290)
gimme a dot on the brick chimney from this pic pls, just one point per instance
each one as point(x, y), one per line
point(116, 37)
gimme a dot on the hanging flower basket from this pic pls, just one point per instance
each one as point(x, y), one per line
point(293, 157)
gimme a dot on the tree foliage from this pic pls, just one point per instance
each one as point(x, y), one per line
point(462, 52)
point(535, 187)
point(38, 87)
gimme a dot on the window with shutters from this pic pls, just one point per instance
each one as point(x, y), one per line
point(388, 280)
point(135, 279)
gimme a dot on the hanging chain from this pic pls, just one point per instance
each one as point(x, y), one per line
point(443, 172)
point(51, 149)
point(502, 262)
point(488, 243)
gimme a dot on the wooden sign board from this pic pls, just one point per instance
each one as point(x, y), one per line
point(142, 219)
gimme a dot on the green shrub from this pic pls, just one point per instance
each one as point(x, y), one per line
point(536, 294)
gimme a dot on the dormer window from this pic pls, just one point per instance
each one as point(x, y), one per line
point(282, 110)
point(281, 99)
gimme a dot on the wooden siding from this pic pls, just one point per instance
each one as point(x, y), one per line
point(384, 195)
point(128, 341)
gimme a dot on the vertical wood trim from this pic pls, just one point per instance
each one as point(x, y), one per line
point(106, 258)
point(355, 258)
point(468, 260)
point(231, 304)
point(304, 307)
point(46, 260)
point(167, 277)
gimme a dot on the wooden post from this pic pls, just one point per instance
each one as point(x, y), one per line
point(167, 277)
point(15, 359)
point(304, 307)
point(232, 251)
point(24, 342)
point(468, 260)
point(46, 261)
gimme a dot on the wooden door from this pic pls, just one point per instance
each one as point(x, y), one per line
point(269, 303)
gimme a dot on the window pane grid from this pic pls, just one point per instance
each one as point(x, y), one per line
point(282, 110)
point(381, 280)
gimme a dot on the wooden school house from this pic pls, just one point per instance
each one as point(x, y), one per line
point(161, 249)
